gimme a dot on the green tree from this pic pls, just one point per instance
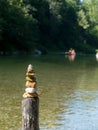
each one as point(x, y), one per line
point(90, 10)
point(18, 30)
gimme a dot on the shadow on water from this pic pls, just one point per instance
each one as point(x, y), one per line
point(69, 91)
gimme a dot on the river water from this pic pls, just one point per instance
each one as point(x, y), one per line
point(69, 91)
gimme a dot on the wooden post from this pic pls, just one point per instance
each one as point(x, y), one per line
point(30, 113)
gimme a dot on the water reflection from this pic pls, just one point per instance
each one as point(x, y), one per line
point(82, 111)
point(97, 56)
point(70, 57)
point(74, 97)
point(69, 99)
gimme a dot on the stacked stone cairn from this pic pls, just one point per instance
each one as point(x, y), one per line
point(31, 83)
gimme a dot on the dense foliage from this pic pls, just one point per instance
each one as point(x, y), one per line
point(48, 25)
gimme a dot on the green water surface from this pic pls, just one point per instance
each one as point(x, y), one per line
point(69, 91)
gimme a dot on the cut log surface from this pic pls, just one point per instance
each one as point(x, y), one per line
point(30, 113)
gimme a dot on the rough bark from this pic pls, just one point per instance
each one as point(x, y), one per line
point(30, 113)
